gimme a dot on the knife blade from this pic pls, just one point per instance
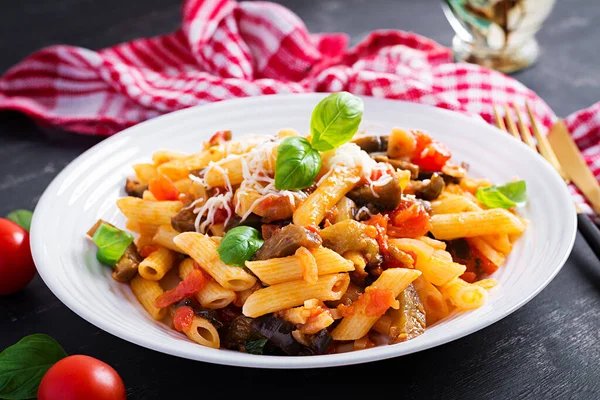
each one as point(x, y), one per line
point(572, 161)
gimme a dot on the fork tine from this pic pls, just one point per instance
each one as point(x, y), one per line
point(525, 132)
point(544, 145)
point(512, 128)
point(499, 119)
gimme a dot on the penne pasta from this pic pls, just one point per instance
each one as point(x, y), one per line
point(463, 295)
point(436, 265)
point(291, 294)
point(359, 323)
point(451, 204)
point(286, 269)
point(434, 303)
point(142, 229)
point(212, 295)
point(157, 264)
point(499, 242)
point(162, 156)
point(308, 263)
point(145, 172)
point(146, 292)
point(203, 332)
point(474, 223)
point(149, 212)
point(488, 251)
point(164, 236)
point(330, 191)
point(204, 251)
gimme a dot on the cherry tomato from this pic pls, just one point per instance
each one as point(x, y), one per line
point(163, 189)
point(409, 220)
point(429, 154)
point(16, 264)
point(81, 377)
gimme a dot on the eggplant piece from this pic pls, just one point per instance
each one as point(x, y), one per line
point(319, 342)
point(400, 164)
point(184, 220)
point(385, 198)
point(286, 241)
point(135, 188)
point(212, 316)
point(240, 331)
point(429, 189)
point(459, 249)
point(372, 144)
point(351, 235)
point(408, 321)
point(127, 266)
point(278, 332)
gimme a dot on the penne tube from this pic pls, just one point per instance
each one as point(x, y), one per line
point(162, 156)
point(464, 295)
point(499, 242)
point(157, 264)
point(488, 251)
point(359, 323)
point(212, 295)
point(145, 172)
point(451, 204)
point(142, 229)
point(146, 292)
point(149, 212)
point(231, 167)
point(204, 251)
point(203, 332)
point(308, 263)
point(183, 185)
point(474, 223)
point(291, 294)
point(487, 284)
point(147, 195)
point(434, 303)
point(330, 191)
point(286, 269)
point(436, 244)
point(383, 324)
point(164, 237)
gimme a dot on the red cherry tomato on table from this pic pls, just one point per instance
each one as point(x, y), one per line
point(429, 154)
point(16, 264)
point(81, 377)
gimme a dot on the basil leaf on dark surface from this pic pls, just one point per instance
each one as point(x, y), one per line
point(335, 120)
point(512, 194)
point(297, 164)
point(112, 243)
point(23, 365)
point(21, 218)
point(239, 245)
point(255, 346)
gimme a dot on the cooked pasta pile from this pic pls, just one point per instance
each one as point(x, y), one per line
point(303, 245)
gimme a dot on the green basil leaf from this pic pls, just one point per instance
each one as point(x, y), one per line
point(112, 243)
point(21, 218)
point(297, 164)
point(23, 365)
point(335, 120)
point(255, 346)
point(512, 194)
point(239, 245)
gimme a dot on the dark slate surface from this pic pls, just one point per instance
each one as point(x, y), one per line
point(548, 349)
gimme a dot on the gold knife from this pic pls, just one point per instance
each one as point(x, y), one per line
point(572, 161)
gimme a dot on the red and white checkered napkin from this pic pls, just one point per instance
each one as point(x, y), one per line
point(227, 49)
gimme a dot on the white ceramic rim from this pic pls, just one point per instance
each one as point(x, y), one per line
point(241, 359)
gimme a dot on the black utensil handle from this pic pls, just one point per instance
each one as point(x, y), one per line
point(590, 232)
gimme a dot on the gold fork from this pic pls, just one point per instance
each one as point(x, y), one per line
point(588, 229)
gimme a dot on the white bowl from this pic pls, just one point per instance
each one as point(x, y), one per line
point(87, 189)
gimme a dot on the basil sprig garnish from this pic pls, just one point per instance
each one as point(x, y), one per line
point(239, 245)
point(112, 243)
point(512, 194)
point(334, 121)
point(24, 364)
point(297, 164)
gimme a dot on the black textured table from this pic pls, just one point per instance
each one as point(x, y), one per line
point(550, 348)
